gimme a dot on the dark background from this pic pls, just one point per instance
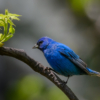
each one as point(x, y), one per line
point(75, 23)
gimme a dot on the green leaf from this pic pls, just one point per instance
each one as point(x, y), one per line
point(0, 35)
point(7, 24)
point(14, 16)
point(6, 12)
point(2, 23)
point(7, 38)
point(11, 29)
point(10, 22)
point(2, 16)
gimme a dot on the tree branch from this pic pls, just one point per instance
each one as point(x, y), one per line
point(36, 66)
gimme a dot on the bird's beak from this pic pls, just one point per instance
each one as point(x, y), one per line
point(35, 46)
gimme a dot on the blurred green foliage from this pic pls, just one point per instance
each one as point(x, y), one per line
point(6, 20)
point(33, 88)
point(78, 6)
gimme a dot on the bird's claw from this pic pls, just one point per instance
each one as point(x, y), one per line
point(64, 83)
point(48, 68)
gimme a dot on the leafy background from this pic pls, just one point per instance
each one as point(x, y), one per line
point(75, 23)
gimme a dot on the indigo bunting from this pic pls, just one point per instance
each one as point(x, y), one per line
point(62, 59)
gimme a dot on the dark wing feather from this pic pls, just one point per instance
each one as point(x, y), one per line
point(74, 59)
point(82, 62)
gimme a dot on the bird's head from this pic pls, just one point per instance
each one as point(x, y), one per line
point(43, 43)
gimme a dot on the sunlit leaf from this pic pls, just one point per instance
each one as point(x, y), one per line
point(11, 29)
point(0, 35)
point(1, 15)
point(7, 24)
point(14, 16)
point(7, 38)
point(10, 22)
point(2, 23)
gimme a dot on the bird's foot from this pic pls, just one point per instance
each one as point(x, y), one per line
point(48, 68)
point(65, 82)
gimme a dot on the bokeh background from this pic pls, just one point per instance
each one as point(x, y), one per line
point(75, 23)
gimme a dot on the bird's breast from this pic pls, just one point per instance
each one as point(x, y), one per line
point(61, 64)
point(53, 57)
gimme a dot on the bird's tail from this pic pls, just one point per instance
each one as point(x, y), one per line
point(93, 73)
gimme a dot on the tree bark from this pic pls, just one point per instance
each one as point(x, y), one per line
point(36, 66)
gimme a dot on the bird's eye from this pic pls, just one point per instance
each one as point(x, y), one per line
point(40, 42)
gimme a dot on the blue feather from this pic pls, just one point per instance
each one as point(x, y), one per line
point(63, 59)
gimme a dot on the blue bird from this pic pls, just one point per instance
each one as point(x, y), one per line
point(62, 59)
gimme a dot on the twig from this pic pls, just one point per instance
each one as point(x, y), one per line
point(36, 66)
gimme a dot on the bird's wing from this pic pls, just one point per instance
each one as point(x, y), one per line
point(73, 57)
